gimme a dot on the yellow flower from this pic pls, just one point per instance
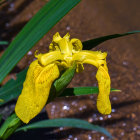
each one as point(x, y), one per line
point(63, 52)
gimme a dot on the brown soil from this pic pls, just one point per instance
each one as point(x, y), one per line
point(89, 19)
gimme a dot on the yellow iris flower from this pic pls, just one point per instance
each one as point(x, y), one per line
point(63, 52)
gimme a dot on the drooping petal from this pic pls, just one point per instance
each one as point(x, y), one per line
point(103, 101)
point(35, 90)
point(98, 59)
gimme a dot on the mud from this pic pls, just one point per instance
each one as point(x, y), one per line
point(89, 19)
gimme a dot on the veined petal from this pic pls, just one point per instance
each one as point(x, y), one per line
point(35, 90)
point(103, 101)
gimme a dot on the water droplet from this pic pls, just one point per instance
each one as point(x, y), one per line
point(134, 129)
point(66, 107)
point(102, 138)
point(68, 28)
point(122, 133)
point(101, 118)
point(80, 108)
point(7, 24)
point(113, 110)
point(114, 98)
point(109, 116)
point(124, 124)
point(11, 8)
point(61, 128)
point(53, 106)
point(29, 53)
point(89, 137)
point(70, 136)
point(125, 63)
point(90, 120)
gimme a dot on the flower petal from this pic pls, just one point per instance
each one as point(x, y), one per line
point(35, 90)
point(103, 101)
point(98, 59)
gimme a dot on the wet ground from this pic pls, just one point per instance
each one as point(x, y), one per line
point(89, 19)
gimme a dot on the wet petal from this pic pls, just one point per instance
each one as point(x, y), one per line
point(35, 90)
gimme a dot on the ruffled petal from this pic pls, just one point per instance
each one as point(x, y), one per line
point(35, 90)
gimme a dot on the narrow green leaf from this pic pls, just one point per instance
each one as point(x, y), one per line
point(33, 31)
point(65, 122)
point(77, 91)
point(12, 88)
point(9, 126)
point(89, 44)
point(3, 43)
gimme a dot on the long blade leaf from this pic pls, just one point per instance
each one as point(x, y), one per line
point(12, 88)
point(33, 31)
point(65, 122)
point(89, 44)
point(77, 91)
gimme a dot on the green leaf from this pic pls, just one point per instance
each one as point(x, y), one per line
point(12, 88)
point(3, 43)
point(89, 44)
point(33, 31)
point(65, 122)
point(77, 91)
point(9, 126)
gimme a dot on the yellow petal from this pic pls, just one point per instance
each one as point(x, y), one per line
point(103, 101)
point(79, 68)
point(35, 90)
point(77, 44)
point(50, 57)
point(98, 59)
point(95, 58)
